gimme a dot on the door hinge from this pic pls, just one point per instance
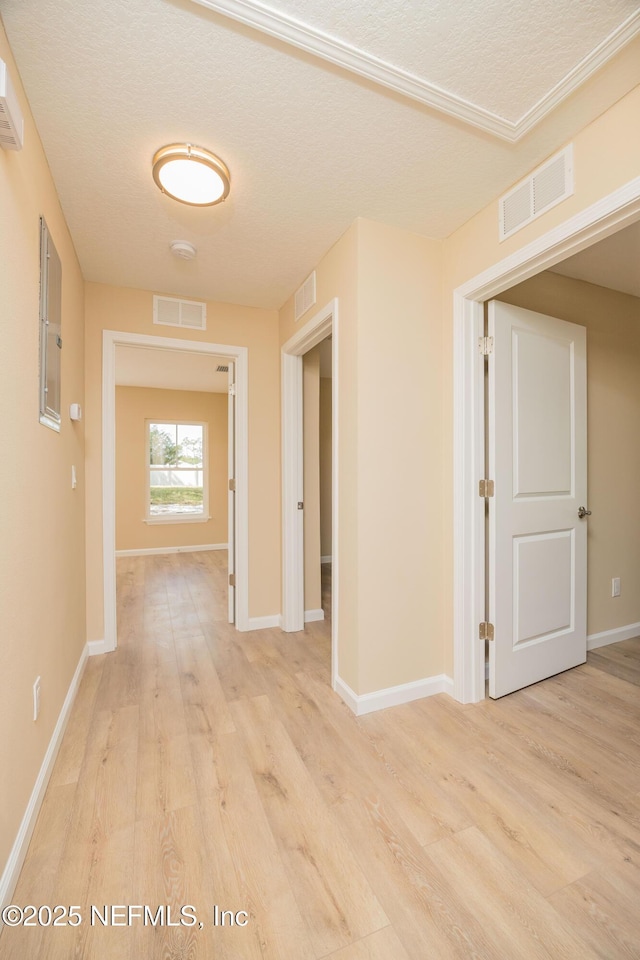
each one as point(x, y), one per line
point(232, 579)
point(232, 486)
point(486, 631)
point(485, 345)
point(232, 389)
point(486, 488)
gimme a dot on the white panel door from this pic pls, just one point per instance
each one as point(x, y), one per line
point(231, 469)
point(537, 422)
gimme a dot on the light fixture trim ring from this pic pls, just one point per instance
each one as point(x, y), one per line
point(190, 151)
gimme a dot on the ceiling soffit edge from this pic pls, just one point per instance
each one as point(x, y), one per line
point(290, 30)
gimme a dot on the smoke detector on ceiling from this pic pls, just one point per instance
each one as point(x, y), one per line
point(183, 249)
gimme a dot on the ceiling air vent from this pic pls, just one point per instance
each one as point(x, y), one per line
point(306, 295)
point(11, 121)
point(170, 312)
point(542, 190)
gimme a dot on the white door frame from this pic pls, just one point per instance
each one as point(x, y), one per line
point(607, 216)
point(323, 323)
point(110, 340)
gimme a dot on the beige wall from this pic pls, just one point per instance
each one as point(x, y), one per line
point(136, 405)
point(42, 594)
point(123, 308)
point(326, 474)
point(337, 276)
point(388, 283)
point(613, 397)
point(399, 480)
point(606, 156)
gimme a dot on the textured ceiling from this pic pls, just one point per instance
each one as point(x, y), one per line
point(169, 370)
point(500, 56)
point(310, 147)
point(613, 263)
point(496, 67)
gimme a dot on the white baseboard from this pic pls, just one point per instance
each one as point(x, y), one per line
point(148, 551)
point(264, 623)
point(275, 620)
point(21, 844)
point(311, 615)
point(326, 559)
point(603, 639)
point(96, 647)
point(392, 696)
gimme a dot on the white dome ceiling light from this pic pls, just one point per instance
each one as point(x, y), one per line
point(191, 175)
point(183, 249)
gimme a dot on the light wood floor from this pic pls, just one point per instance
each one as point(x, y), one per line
point(204, 767)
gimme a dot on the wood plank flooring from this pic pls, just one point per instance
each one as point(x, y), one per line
point(209, 768)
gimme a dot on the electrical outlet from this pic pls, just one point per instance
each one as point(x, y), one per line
point(615, 587)
point(36, 699)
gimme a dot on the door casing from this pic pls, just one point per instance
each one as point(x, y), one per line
point(110, 340)
point(321, 324)
point(608, 215)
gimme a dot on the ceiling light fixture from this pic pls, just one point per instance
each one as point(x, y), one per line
point(191, 174)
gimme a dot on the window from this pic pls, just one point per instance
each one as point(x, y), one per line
point(50, 329)
point(177, 468)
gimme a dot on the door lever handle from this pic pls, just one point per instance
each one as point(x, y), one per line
point(583, 512)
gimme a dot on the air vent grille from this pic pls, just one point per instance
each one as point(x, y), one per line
point(11, 121)
point(170, 312)
point(517, 208)
point(305, 295)
point(549, 185)
point(543, 189)
point(222, 368)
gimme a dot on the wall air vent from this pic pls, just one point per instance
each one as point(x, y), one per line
point(170, 312)
point(222, 368)
point(306, 295)
point(11, 121)
point(543, 189)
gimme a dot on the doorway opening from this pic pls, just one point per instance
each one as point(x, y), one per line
point(594, 296)
point(319, 328)
point(608, 216)
point(184, 489)
point(317, 459)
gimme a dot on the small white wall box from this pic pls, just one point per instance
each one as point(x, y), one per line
point(75, 411)
point(11, 119)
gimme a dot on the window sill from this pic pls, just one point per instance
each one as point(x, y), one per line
point(50, 422)
point(177, 518)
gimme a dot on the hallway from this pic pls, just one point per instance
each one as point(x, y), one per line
point(206, 767)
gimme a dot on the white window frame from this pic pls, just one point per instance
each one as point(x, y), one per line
point(178, 517)
point(49, 417)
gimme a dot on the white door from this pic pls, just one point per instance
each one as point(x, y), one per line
point(231, 469)
point(537, 421)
